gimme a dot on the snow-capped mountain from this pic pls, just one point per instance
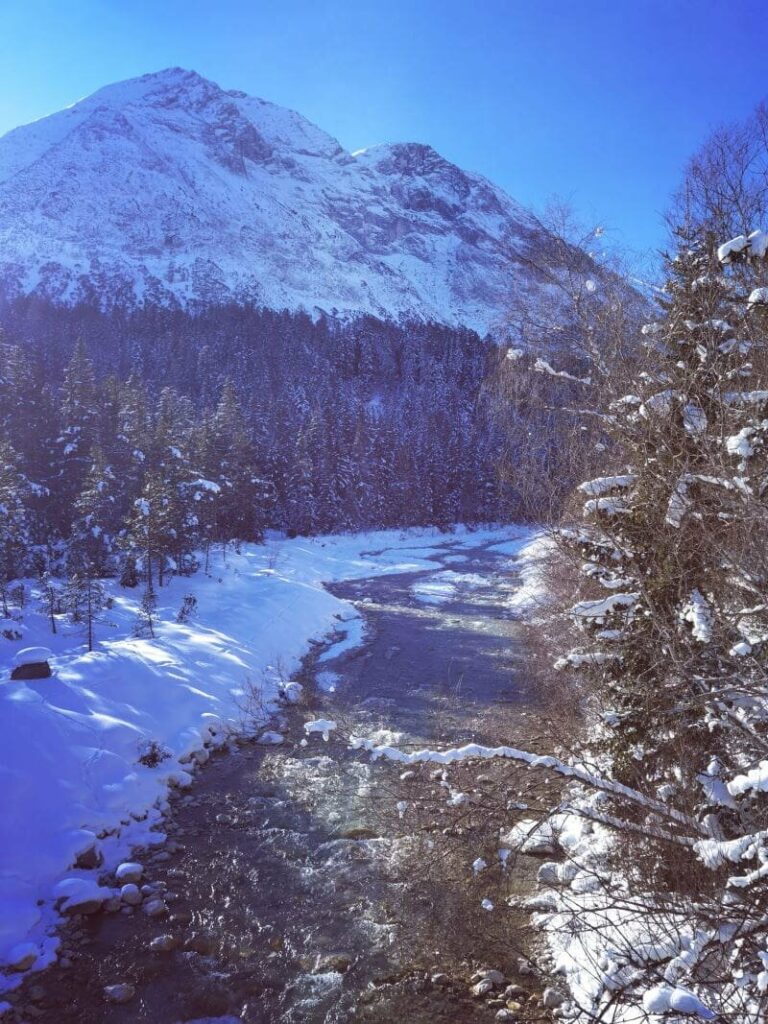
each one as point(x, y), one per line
point(169, 189)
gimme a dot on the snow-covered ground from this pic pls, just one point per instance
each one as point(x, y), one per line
point(70, 744)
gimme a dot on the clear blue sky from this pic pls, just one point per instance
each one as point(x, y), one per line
point(600, 101)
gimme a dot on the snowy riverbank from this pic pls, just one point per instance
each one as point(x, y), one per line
point(70, 745)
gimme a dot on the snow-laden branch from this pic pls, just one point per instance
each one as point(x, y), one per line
point(542, 366)
point(476, 751)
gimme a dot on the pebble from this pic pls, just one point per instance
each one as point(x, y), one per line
point(506, 1015)
point(164, 943)
point(120, 993)
point(515, 992)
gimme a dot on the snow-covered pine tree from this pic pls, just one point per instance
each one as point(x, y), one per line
point(96, 520)
point(84, 599)
point(14, 524)
point(673, 620)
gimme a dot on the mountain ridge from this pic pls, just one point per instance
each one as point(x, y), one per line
point(168, 189)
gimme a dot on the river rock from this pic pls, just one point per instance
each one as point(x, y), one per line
point(338, 962)
point(155, 907)
point(515, 992)
point(507, 1015)
point(482, 988)
point(131, 894)
point(80, 896)
point(129, 871)
point(164, 943)
point(496, 978)
point(120, 993)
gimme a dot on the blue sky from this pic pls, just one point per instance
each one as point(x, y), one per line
point(599, 101)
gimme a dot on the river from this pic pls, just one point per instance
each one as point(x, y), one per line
point(305, 883)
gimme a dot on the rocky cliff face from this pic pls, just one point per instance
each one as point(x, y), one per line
point(167, 189)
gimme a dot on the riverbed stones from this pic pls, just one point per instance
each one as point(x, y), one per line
point(165, 943)
point(119, 993)
point(515, 992)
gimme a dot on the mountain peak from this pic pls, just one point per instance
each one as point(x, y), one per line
point(168, 189)
point(176, 82)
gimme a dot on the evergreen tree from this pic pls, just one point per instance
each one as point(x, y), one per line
point(674, 544)
point(84, 599)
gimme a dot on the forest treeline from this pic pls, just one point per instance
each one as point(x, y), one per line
point(140, 438)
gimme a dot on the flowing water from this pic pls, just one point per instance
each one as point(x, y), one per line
point(306, 884)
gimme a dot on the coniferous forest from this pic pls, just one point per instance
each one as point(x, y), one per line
point(139, 438)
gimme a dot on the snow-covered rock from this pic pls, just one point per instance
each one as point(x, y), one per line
point(169, 189)
point(32, 656)
point(80, 895)
point(129, 871)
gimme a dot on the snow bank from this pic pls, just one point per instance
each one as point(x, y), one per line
point(70, 745)
point(532, 555)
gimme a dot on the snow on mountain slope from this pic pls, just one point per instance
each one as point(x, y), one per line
point(168, 189)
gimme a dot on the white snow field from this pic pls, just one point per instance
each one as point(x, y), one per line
point(70, 776)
